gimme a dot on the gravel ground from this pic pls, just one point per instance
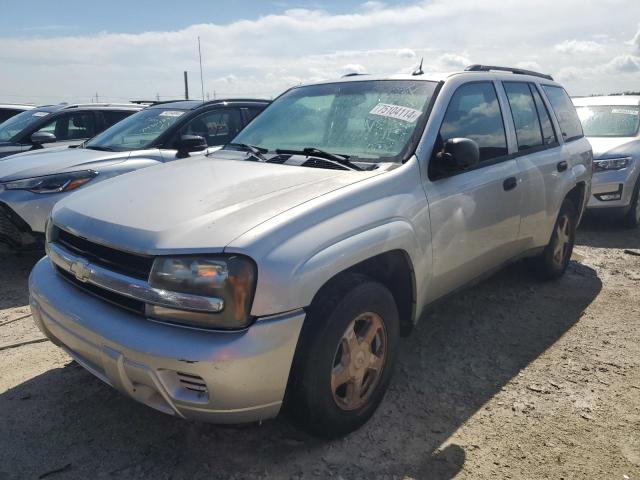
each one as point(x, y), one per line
point(511, 379)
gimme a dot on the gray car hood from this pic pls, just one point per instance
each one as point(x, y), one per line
point(608, 147)
point(195, 205)
point(48, 161)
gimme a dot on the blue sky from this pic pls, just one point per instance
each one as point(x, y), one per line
point(70, 50)
point(77, 17)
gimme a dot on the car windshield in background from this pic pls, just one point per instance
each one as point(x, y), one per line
point(18, 123)
point(136, 132)
point(372, 120)
point(610, 120)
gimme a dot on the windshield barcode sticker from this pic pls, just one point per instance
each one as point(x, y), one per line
point(40, 114)
point(171, 113)
point(625, 111)
point(396, 111)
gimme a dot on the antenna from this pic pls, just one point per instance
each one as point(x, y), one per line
point(419, 71)
point(201, 80)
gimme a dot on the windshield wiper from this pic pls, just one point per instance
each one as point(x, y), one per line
point(316, 152)
point(100, 149)
point(257, 152)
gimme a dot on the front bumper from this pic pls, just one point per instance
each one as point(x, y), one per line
point(613, 181)
point(221, 377)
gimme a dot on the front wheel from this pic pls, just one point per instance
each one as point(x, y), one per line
point(345, 357)
point(553, 261)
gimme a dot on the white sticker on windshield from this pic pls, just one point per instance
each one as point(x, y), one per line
point(40, 114)
point(171, 113)
point(396, 111)
point(625, 111)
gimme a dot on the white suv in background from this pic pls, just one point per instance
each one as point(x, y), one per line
point(612, 125)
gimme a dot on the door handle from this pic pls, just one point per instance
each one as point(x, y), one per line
point(562, 166)
point(510, 183)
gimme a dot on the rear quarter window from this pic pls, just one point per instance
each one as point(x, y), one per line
point(570, 125)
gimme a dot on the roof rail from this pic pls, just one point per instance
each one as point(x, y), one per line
point(353, 74)
point(517, 71)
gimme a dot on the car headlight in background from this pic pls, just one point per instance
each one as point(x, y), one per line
point(611, 164)
point(60, 182)
point(231, 279)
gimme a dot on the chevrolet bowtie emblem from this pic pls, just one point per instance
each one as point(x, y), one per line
point(81, 270)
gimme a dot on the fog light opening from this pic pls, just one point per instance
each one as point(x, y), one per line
point(609, 196)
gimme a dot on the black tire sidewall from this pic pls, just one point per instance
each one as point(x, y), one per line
point(313, 404)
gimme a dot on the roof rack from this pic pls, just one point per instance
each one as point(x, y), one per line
point(517, 71)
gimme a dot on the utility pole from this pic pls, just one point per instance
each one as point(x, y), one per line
point(186, 86)
point(97, 99)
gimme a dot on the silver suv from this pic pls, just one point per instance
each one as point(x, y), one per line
point(612, 125)
point(288, 264)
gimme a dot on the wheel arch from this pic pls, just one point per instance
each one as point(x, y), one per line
point(394, 270)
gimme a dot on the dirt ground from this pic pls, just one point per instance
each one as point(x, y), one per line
point(511, 379)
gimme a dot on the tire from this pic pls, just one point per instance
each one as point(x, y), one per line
point(339, 378)
point(632, 218)
point(555, 258)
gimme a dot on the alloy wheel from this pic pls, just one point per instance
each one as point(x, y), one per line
point(358, 361)
point(562, 240)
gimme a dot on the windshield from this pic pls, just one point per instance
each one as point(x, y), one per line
point(136, 132)
point(16, 124)
point(610, 120)
point(367, 120)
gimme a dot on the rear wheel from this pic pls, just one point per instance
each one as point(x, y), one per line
point(553, 261)
point(345, 357)
point(632, 218)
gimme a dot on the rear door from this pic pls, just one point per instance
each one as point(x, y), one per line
point(475, 214)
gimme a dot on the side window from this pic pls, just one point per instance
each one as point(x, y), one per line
point(525, 115)
point(565, 112)
point(71, 126)
point(474, 112)
point(252, 112)
point(111, 117)
point(7, 114)
point(548, 133)
point(217, 127)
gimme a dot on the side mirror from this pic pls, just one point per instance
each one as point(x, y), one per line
point(39, 138)
point(190, 143)
point(459, 154)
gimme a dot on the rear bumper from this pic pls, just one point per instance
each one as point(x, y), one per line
point(221, 377)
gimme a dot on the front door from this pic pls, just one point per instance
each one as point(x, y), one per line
point(475, 213)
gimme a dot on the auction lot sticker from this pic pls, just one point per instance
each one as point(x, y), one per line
point(398, 112)
point(171, 113)
point(625, 111)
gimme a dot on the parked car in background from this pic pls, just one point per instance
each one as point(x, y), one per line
point(32, 182)
point(59, 125)
point(8, 110)
point(612, 125)
point(294, 258)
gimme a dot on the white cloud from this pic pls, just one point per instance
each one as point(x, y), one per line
point(530, 65)
point(353, 68)
point(265, 55)
point(406, 53)
point(572, 47)
point(635, 42)
point(625, 64)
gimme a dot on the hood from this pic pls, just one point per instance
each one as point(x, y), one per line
point(54, 160)
point(195, 205)
point(607, 147)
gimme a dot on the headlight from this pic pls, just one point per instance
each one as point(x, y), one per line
point(611, 164)
point(61, 182)
point(229, 278)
